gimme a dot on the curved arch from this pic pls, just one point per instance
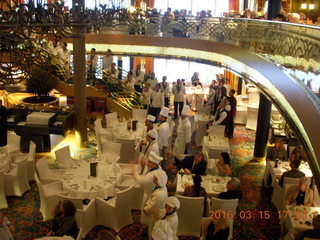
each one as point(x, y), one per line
point(290, 96)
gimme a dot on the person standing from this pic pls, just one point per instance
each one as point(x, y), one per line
point(157, 101)
point(183, 136)
point(233, 111)
point(166, 91)
point(163, 134)
point(92, 61)
point(146, 96)
point(3, 125)
point(107, 60)
point(129, 80)
point(65, 59)
point(178, 91)
point(138, 76)
point(152, 81)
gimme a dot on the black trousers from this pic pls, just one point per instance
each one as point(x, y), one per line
point(176, 105)
point(166, 102)
point(155, 111)
point(229, 127)
point(138, 88)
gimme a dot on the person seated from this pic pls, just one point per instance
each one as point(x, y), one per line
point(233, 190)
point(194, 164)
point(6, 228)
point(223, 165)
point(64, 222)
point(107, 235)
point(277, 152)
point(314, 233)
point(195, 190)
point(293, 173)
point(216, 228)
point(301, 194)
point(300, 153)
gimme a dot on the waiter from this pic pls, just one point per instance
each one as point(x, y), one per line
point(183, 136)
point(146, 180)
point(3, 125)
point(163, 134)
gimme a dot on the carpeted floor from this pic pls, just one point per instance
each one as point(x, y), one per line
point(24, 212)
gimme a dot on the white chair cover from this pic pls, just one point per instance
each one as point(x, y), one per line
point(116, 212)
point(128, 152)
point(77, 202)
point(111, 119)
point(189, 215)
point(63, 157)
point(224, 204)
point(316, 197)
point(89, 217)
point(3, 200)
point(31, 161)
point(139, 114)
point(13, 143)
point(211, 167)
point(252, 118)
point(47, 175)
point(277, 195)
point(78, 217)
point(111, 151)
point(16, 181)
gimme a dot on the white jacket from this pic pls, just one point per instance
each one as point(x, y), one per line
point(183, 137)
point(146, 96)
point(166, 91)
point(152, 82)
point(163, 134)
point(179, 96)
point(173, 222)
point(146, 180)
point(157, 201)
point(157, 99)
point(138, 78)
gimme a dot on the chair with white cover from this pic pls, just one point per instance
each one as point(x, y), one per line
point(111, 119)
point(78, 217)
point(3, 200)
point(212, 167)
point(190, 215)
point(225, 205)
point(316, 197)
point(139, 114)
point(48, 197)
point(115, 213)
point(137, 192)
point(63, 157)
point(77, 202)
point(128, 151)
point(277, 195)
point(16, 180)
point(111, 151)
point(46, 174)
point(217, 130)
point(103, 132)
point(205, 224)
point(13, 143)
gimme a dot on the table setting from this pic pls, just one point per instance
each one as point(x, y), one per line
point(213, 185)
point(215, 146)
point(79, 180)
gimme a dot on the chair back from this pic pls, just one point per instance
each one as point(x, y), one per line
point(42, 168)
point(111, 148)
point(77, 202)
point(316, 197)
point(190, 214)
point(21, 171)
point(111, 119)
point(123, 196)
point(287, 188)
point(97, 124)
point(139, 114)
point(78, 217)
point(128, 151)
point(224, 204)
point(32, 151)
point(217, 130)
point(288, 180)
point(63, 155)
point(13, 142)
point(211, 167)
point(3, 200)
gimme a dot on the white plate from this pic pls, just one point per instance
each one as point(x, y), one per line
point(218, 188)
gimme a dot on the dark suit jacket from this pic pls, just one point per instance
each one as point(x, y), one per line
point(199, 168)
point(231, 194)
point(293, 173)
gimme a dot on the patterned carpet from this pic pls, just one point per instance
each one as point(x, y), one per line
point(24, 212)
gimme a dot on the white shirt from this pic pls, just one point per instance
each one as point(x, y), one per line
point(173, 222)
point(152, 82)
point(64, 57)
point(157, 99)
point(146, 95)
point(107, 61)
point(163, 134)
point(129, 83)
point(138, 78)
point(184, 130)
point(179, 95)
point(94, 60)
point(156, 201)
point(166, 90)
point(115, 74)
point(5, 233)
point(223, 115)
point(55, 55)
point(146, 180)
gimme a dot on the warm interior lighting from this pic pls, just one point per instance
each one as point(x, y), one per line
point(311, 6)
point(303, 6)
point(62, 101)
point(131, 9)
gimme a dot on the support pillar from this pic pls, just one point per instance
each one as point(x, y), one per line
point(274, 8)
point(264, 116)
point(120, 66)
point(239, 90)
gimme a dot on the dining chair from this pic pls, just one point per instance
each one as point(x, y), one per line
point(190, 215)
point(46, 174)
point(111, 119)
point(139, 114)
point(16, 180)
point(14, 142)
point(115, 213)
point(224, 205)
point(63, 157)
point(111, 151)
point(3, 200)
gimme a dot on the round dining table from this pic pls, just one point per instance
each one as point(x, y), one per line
point(77, 181)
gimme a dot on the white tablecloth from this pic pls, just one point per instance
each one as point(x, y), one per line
point(213, 184)
point(78, 183)
point(297, 217)
point(215, 146)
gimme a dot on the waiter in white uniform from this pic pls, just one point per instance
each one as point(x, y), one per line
point(183, 136)
point(151, 145)
point(157, 200)
point(147, 180)
point(163, 134)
